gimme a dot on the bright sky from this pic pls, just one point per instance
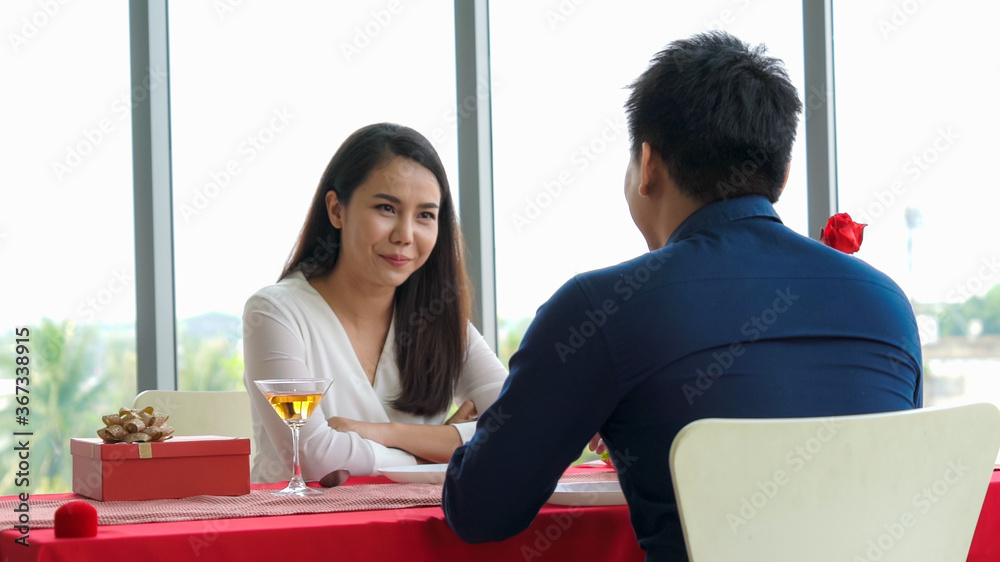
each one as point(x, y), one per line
point(263, 94)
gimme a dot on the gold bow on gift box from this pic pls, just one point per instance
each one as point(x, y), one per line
point(135, 426)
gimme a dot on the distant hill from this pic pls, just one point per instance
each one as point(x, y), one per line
point(204, 326)
point(213, 325)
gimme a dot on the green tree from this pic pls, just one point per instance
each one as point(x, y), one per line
point(69, 393)
point(208, 364)
point(954, 318)
point(990, 311)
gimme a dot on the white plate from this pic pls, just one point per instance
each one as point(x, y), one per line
point(588, 493)
point(595, 464)
point(419, 473)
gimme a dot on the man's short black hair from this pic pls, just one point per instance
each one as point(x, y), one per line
point(721, 114)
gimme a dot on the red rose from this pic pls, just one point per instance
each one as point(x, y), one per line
point(843, 234)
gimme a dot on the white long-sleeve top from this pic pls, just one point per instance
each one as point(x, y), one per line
point(289, 331)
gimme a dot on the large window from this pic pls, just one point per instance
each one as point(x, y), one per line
point(66, 234)
point(560, 141)
point(916, 145)
point(262, 94)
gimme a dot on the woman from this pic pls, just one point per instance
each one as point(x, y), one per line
point(375, 297)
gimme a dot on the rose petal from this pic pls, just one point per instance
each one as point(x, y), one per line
point(843, 234)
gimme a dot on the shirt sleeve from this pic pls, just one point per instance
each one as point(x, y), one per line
point(466, 430)
point(274, 349)
point(481, 379)
point(559, 393)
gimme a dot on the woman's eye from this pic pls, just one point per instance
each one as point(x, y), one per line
point(427, 215)
point(386, 207)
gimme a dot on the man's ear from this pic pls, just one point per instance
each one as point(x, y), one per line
point(650, 165)
point(334, 209)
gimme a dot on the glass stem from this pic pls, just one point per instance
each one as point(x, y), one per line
point(296, 481)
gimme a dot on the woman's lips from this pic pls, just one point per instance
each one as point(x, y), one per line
point(396, 260)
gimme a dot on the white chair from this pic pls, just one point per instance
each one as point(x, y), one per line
point(902, 486)
point(201, 412)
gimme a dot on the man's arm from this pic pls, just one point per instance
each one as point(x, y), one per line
point(559, 393)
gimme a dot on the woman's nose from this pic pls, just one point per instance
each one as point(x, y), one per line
point(402, 233)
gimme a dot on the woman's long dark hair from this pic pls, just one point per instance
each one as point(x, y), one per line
point(432, 306)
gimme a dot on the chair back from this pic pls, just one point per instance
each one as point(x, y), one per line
point(201, 412)
point(901, 486)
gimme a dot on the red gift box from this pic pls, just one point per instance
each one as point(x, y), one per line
point(176, 468)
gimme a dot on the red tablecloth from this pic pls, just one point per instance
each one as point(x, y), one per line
point(986, 541)
point(411, 535)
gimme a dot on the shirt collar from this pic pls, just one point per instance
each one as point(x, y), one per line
point(725, 211)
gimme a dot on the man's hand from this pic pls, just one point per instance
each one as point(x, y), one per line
point(597, 444)
point(465, 413)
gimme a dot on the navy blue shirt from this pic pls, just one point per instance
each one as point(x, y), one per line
point(736, 316)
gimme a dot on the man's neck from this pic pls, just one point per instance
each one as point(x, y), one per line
point(674, 209)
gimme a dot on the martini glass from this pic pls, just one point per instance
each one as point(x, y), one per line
point(294, 400)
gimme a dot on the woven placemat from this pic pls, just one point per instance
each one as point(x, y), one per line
point(258, 503)
point(589, 477)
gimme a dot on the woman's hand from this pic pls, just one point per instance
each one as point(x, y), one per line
point(465, 413)
point(378, 432)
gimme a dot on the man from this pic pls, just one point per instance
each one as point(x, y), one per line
point(730, 314)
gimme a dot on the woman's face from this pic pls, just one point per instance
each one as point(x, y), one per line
point(390, 225)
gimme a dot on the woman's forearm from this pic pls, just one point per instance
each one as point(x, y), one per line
point(434, 443)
